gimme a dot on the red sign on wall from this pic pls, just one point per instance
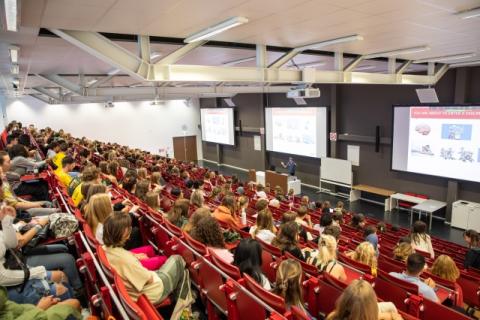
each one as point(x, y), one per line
point(333, 136)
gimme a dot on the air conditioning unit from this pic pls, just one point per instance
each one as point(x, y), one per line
point(304, 93)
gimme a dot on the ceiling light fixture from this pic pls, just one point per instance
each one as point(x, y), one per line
point(155, 55)
point(468, 14)
point(113, 72)
point(394, 53)
point(13, 53)
point(364, 68)
point(309, 64)
point(11, 13)
point(216, 29)
point(447, 58)
point(235, 62)
point(89, 83)
point(325, 43)
point(15, 69)
point(464, 64)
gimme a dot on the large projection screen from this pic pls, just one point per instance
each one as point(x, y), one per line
point(300, 130)
point(441, 141)
point(217, 125)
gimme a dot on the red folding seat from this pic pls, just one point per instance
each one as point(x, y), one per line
point(434, 311)
point(471, 288)
point(211, 286)
point(229, 269)
point(273, 300)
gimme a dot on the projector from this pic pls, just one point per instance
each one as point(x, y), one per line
point(304, 93)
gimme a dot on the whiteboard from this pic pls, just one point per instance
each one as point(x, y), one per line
point(336, 171)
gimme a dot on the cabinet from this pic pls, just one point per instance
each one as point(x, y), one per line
point(466, 215)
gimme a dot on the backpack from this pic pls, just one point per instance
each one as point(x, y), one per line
point(73, 185)
point(62, 224)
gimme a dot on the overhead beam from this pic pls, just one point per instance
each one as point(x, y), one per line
point(180, 53)
point(392, 65)
point(338, 61)
point(431, 68)
point(62, 82)
point(143, 43)
point(404, 67)
point(261, 55)
point(284, 59)
point(353, 64)
point(107, 51)
point(99, 82)
point(441, 72)
point(47, 92)
point(39, 97)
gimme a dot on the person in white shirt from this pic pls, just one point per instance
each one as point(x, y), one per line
point(264, 228)
point(261, 192)
point(420, 239)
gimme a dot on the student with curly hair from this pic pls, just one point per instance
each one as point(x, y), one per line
point(209, 233)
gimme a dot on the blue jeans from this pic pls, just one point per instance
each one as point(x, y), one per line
point(56, 257)
point(34, 290)
point(74, 174)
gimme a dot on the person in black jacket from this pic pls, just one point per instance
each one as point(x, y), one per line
point(472, 258)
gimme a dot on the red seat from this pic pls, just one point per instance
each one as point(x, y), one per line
point(211, 284)
point(230, 269)
point(357, 265)
point(299, 314)
point(307, 268)
point(242, 305)
point(172, 228)
point(435, 311)
point(390, 265)
point(276, 252)
point(405, 285)
point(322, 297)
point(471, 287)
point(133, 309)
point(274, 301)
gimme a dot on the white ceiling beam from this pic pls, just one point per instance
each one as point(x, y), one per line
point(431, 68)
point(99, 82)
point(194, 73)
point(439, 74)
point(62, 82)
point(261, 55)
point(284, 59)
point(47, 92)
point(353, 64)
point(39, 97)
point(143, 45)
point(404, 67)
point(338, 61)
point(180, 53)
point(392, 65)
point(107, 51)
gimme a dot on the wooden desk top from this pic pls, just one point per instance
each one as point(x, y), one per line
point(375, 190)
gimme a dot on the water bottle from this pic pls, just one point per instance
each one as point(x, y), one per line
point(244, 217)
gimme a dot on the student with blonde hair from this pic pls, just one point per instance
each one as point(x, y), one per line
point(402, 251)
point(96, 211)
point(325, 258)
point(365, 253)
point(196, 199)
point(152, 199)
point(359, 301)
point(198, 215)
point(444, 267)
point(288, 283)
point(264, 228)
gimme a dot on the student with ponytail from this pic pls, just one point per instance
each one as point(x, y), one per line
point(325, 258)
point(472, 258)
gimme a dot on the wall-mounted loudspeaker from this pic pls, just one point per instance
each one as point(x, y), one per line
point(427, 95)
point(377, 139)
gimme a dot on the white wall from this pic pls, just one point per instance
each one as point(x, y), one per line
point(136, 124)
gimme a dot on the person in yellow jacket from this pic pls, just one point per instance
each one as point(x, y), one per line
point(89, 174)
point(68, 164)
point(57, 159)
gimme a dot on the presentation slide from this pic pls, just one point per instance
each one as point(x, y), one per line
point(217, 125)
point(301, 131)
point(440, 141)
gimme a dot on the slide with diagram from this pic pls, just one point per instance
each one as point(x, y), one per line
point(217, 125)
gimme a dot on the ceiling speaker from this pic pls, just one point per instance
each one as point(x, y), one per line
point(428, 95)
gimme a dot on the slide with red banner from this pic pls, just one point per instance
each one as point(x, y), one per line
point(445, 141)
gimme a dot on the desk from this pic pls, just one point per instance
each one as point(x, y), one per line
point(394, 198)
point(296, 185)
point(260, 175)
point(429, 207)
point(356, 192)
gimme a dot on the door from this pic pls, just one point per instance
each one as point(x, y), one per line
point(185, 148)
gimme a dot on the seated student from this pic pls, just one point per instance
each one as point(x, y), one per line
point(303, 218)
point(337, 219)
point(209, 233)
point(152, 199)
point(199, 214)
point(402, 251)
point(226, 213)
point(325, 221)
point(325, 258)
point(359, 301)
point(261, 204)
point(34, 208)
point(274, 203)
point(358, 221)
point(340, 208)
point(279, 194)
point(177, 193)
point(142, 188)
point(21, 162)
point(472, 258)
point(365, 253)
point(248, 258)
point(156, 180)
point(381, 227)
point(196, 199)
point(57, 158)
point(260, 193)
point(68, 164)
point(333, 231)
point(242, 205)
point(129, 181)
point(89, 174)
point(264, 228)
point(420, 239)
point(370, 234)
point(171, 278)
point(444, 267)
point(288, 216)
point(98, 208)
point(52, 149)
point(305, 201)
point(178, 215)
point(415, 267)
point(288, 284)
point(287, 240)
point(40, 280)
point(48, 308)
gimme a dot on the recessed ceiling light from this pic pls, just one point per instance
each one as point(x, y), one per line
point(113, 72)
point(394, 53)
point(216, 29)
point(11, 13)
point(363, 68)
point(235, 62)
point(13, 53)
point(447, 58)
point(318, 63)
point(15, 69)
point(155, 55)
point(89, 83)
point(325, 43)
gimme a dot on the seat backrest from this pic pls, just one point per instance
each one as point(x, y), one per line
point(230, 269)
point(268, 262)
point(307, 268)
point(210, 283)
point(274, 301)
point(146, 306)
point(334, 281)
point(357, 265)
point(132, 308)
point(276, 252)
point(92, 241)
point(196, 245)
point(242, 306)
point(470, 286)
point(390, 265)
point(327, 296)
point(106, 267)
point(434, 311)
point(172, 228)
point(388, 291)
point(405, 285)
